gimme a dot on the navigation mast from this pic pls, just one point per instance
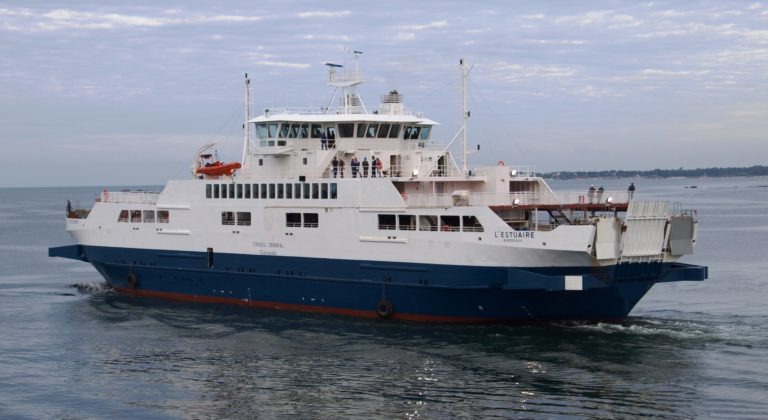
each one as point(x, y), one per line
point(464, 76)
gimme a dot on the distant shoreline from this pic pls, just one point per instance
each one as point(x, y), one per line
point(715, 172)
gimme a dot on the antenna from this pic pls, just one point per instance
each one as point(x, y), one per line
point(464, 76)
point(246, 126)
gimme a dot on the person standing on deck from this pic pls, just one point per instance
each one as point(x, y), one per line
point(341, 167)
point(378, 166)
point(373, 166)
point(365, 167)
point(323, 141)
point(591, 193)
point(631, 190)
point(600, 192)
point(335, 163)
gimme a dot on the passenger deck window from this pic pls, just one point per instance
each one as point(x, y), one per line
point(293, 219)
point(149, 216)
point(123, 216)
point(387, 222)
point(135, 216)
point(227, 218)
point(311, 220)
point(406, 222)
point(471, 224)
point(208, 191)
point(334, 191)
point(449, 223)
point(428, 223)
point(243, 218)
point(163, 216)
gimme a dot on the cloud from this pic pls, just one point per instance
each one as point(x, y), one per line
point(322, 14)
point(755, 6)
point(431, 25)
point(327, 37)
point(607, 18)
point(558, 41)
point(283, 64)
point(404, 36)
point(64, 19)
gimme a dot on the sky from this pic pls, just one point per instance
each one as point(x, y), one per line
point(104, 93)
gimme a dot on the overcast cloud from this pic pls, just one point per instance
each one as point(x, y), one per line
point(99, 93)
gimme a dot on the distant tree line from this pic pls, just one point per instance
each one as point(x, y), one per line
point(715, 172)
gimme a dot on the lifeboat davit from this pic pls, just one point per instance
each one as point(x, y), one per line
point(218, 168)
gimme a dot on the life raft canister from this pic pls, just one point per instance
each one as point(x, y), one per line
point(384, 308)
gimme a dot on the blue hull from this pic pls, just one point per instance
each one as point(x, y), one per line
point(419, 292)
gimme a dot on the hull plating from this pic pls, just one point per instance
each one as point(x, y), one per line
point(419, 292)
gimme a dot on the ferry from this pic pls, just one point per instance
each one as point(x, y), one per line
point(356, 210)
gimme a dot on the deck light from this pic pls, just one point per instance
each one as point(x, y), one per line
point(609, 200)
point(515, 201)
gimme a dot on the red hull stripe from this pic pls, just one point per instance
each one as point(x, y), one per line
point(300, 308)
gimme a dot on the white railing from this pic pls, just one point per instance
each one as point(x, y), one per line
point(594, 198)
point(132, 197)
point(475, 199)
point(333, 110)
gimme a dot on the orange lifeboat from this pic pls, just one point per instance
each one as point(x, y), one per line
point(218, 168)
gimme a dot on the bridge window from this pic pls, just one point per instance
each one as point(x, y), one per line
point(261, 129)
point(284, 128)
point(316, 130)
point(346, 130)
point(304, 131)
point(383, 131)
point(395, 131)
point(424, 133)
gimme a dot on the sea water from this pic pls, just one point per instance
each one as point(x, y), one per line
point(72, 348)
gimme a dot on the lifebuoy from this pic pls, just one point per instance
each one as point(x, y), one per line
point(131, 280)
point(500, 163)
point(384, 308)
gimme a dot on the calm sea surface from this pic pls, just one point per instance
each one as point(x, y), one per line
point(70, 348)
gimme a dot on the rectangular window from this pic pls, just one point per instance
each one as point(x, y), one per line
point(334, 193)
point(428, 223)
point(424, 133)
point(135, 216)
point(272, 130)
point(346, 130)
point(394, 132)
point(284, 130)
point(387, 222)
point(406, 222)
point(294, 131)
point(293, 219)
point(315, 131)
point(255, 189)
point(208, 191)
point(223, 190)
point(280, 190)
point(271, 190)
point(227, 218)
point(383, 131)
point(163, 216)
point(471, 224)
point(247, 190)
point(372, 129)
point(323, 191)
point(231, 190)
point(305, 187)
point(297, 191)
point(262, 130)
point(288, 191)
point(263, 190)
point(243, 218)
point(449, 223)
point(148, 216)
point(123, 216)
point(239, 190)
point(315, 191)
point(361, 130)
point(215, 190)
point(304, 131)
point(310, 220)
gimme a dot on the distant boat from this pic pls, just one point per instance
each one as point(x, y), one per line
point(405, 232)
